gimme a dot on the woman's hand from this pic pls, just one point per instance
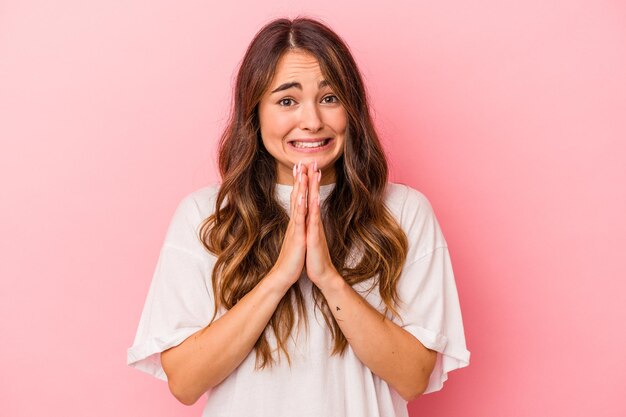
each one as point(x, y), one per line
point(319, 267)
point(290, 262)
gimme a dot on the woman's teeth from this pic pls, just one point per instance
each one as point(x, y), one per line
point(310, 144)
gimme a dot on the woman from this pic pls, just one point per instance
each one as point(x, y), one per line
point(305, 283)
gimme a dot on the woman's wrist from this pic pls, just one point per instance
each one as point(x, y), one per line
point(333, 283)
point(277, 283)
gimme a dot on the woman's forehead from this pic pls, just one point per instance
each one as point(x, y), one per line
point(293, 64)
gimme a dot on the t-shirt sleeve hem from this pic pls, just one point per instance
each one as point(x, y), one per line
point(146, 356)
point(449, 357)
point(447, 363)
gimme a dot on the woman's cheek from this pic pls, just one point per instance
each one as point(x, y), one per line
point(286, 122)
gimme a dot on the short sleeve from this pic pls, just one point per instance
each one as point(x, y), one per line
point(179, 301)
point(432, 313)
point(430, 308)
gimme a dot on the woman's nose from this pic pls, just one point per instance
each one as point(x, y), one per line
point(310, 118)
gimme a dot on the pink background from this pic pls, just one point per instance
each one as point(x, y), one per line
point(510, 116)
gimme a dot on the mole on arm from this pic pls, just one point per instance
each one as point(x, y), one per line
point(338, 308)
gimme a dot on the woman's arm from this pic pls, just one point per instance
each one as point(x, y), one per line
point(385, 348)
point(208, 356)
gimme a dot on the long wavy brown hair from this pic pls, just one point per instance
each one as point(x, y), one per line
point(248, 226)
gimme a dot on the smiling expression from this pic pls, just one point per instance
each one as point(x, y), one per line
point(301, 119)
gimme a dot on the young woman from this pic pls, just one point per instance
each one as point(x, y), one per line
point(305, 284)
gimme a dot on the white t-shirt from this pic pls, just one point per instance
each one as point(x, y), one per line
point(180, 302)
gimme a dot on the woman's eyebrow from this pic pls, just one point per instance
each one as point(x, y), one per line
point(296, 84)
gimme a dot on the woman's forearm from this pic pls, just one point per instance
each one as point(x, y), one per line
point(208, 356)
point(385, 348)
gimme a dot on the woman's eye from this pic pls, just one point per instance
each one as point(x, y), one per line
point(282, 102)
point(334, 99)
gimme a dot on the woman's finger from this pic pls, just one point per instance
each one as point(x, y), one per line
point(301, 200)
point(314, 195)
point(293, 198)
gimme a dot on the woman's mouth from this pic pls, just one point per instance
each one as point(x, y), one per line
point(307, 145)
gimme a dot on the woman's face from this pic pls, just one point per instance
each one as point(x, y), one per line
point(301, 119)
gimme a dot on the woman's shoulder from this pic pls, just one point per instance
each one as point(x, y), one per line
point(192, 209)
point(201, 201)
point(416, 217)
point(401, 198)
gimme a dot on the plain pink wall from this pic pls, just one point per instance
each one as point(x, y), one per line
point(510, 116)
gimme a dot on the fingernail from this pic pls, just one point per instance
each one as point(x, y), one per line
point(318, 201)
point(300, 166)
point(315, 165)
point(294, 170)
point(319, 175)
point(300, 179)
point(300, 200)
